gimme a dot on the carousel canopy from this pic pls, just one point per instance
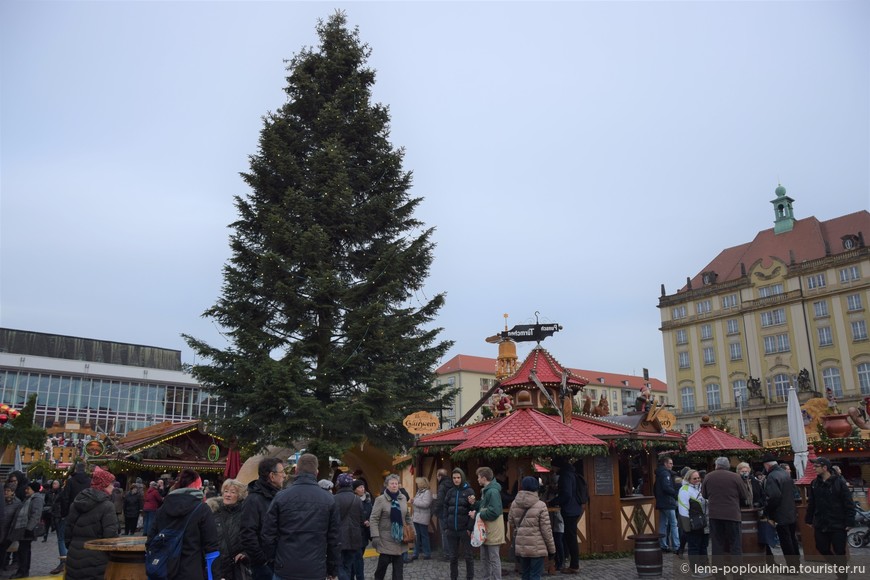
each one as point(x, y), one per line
point(709, 439)
point(546, 367)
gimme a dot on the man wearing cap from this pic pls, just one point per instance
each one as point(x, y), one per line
point(830, 511)
point(781, 510)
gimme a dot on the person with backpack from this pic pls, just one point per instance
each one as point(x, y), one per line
point(91, 517)
point(189, 523)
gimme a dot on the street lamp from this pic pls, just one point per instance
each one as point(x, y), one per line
point(739, 396)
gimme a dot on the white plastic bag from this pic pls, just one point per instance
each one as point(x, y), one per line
point(478, 535)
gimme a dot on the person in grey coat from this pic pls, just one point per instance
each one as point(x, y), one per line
point(25, 525)
point(389, 514)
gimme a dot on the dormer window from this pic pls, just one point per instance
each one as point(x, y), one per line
point(850, 242)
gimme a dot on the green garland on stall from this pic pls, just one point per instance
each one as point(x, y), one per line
point(645, 445)
point(537, 451)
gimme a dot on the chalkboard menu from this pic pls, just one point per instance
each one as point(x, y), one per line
point(603, 476)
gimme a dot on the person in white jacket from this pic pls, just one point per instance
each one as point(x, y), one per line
point(691, 502)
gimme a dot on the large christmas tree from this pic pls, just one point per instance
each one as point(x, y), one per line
point(330, 332)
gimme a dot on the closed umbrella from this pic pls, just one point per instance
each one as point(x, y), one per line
point(17, 462)
point(796, 433)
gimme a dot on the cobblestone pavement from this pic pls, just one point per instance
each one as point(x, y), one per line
point(45, 557)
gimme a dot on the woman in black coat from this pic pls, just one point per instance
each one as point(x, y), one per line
point(228, 517)
point(91, 516)
point(185, 500)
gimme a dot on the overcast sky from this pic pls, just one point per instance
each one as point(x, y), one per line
point(573, 156)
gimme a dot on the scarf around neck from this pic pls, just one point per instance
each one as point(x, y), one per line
point(395, 515)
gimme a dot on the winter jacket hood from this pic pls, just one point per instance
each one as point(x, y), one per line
point(180, 502)
point(88, 499)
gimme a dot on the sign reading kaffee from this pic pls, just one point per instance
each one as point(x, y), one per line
point(421, 423)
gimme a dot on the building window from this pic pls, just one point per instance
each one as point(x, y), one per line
point(706, 332)
point(864, 378)
point(741, 395)
point(816, 281)
point(690, 428)
point(825, 338)
point(736, 351)
point(859, 330)
point(773, 317)
point(733, 326)
point(850, 274)
point(709, 356)
point(771, 290)
point(729, 301)
point(831, 380)
point(683, 360)
point(781, 383)
point(776, 343)
point(687, 396)
point(703, 307)
point(821, 308)
point(679, 312)
point(682, 336)
point(854, 302)
point(714, 401)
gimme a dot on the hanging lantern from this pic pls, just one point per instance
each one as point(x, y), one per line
point(4, 408)
point(13, 413)
point(3, 418)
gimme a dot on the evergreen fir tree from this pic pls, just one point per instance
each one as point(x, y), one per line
point(322, 301)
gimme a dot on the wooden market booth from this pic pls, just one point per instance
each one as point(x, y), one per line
point(166, 447)
point(617, 460)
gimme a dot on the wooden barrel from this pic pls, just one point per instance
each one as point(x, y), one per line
point(126, 557)
point(753, 552)
point(647, 555)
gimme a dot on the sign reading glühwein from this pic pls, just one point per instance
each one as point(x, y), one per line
point(421, 423)
point(528, 332)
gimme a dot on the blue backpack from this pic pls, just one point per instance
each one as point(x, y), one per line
point(163, 554)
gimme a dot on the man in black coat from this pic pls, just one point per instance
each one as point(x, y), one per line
point(666, 502)
point(350, 527)
point(300, 530)
point(444, 485)
point(781, 510)
point(831, 512)
point(458, 501)
point(261, 492)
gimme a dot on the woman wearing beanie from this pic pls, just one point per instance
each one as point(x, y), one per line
point(184, 504)
point(533, 535)
point(91, 517)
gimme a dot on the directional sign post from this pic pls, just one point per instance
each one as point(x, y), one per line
point(529, 332)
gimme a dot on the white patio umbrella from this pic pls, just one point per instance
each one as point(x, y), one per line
point(796, 433)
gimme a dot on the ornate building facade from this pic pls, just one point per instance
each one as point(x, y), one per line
point(789, 307)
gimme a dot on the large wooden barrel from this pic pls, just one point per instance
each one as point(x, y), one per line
point(753, 552)
point(126, 557)
point(647, 555)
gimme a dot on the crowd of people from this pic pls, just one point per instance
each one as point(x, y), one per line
point(708, 511)
point(273, 529)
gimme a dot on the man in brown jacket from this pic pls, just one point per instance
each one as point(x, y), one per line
point(725, 494)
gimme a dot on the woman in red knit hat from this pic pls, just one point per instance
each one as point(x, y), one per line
point(91, 516)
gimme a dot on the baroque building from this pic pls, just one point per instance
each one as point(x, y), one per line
point(787, 308)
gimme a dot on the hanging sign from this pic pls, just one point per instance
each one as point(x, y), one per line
point(213, 453)
point(421, 423)
point(529, 332)
point(666, 419)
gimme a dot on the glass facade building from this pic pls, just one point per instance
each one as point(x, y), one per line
point(110, 397)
